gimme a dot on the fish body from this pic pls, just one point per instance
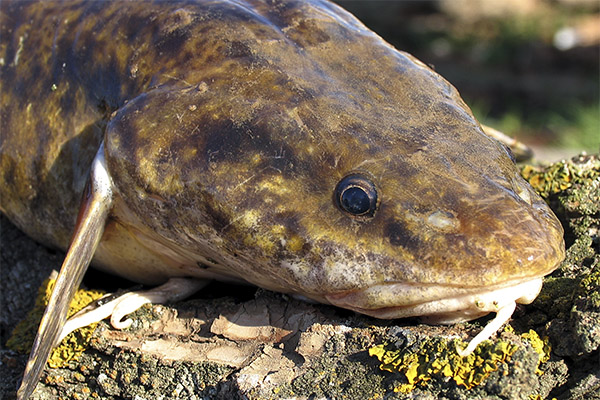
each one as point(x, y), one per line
point(228, 125)
point(279, 143)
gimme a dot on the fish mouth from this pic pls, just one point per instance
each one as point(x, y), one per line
point(448, 306)
point(437, 304)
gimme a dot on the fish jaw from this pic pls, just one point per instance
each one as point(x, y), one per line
point(438, 304)
point(455, 305)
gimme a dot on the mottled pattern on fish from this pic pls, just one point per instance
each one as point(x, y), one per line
point(228, 125)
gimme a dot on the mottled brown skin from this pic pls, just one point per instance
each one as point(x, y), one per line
point(227, 127)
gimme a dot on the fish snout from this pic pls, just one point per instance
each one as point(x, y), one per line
point(512, 236)
point(482, 255)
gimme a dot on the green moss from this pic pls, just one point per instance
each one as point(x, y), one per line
point(73, 345)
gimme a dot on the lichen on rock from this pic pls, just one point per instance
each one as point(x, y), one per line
point(570, 298)
point(73, 344)
point(437, 359)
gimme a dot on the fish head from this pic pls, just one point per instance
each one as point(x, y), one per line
point(321, 161)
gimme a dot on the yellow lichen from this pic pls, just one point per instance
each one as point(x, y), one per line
point(73, 345)
point(559, 176)
point(589, 288)
point(437, 358)
point(541, 346)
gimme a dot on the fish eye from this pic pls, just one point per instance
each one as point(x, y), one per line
point(356, 195)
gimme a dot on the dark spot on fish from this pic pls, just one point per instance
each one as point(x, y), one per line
point(238, 49)
point(219, 220)
point(224, 140)
point(171, 43)
point(290, 220)
point(308, 34)
point(204, 30)
point(92, 8)
point(9, 172)
point(451, 201)
point(228, 140)
point(403, 169)
point(399, 235)
point(36, 70)
point(186, 57)
point(134, 25)
point(77, 64)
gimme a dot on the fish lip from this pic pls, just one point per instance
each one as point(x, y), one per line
point(446, 304)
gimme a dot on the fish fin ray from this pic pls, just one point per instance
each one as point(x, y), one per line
point(521, 151)
point(93, 212)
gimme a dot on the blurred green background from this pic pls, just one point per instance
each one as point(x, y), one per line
point(530, 68)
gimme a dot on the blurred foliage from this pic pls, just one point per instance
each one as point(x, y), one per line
point(574, 127)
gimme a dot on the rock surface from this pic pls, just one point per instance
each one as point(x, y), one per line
point(245, 343)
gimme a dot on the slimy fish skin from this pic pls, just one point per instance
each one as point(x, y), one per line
point(278, 143)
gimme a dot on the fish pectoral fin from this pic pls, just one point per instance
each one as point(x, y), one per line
point(93, 212)
point(174, 289)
